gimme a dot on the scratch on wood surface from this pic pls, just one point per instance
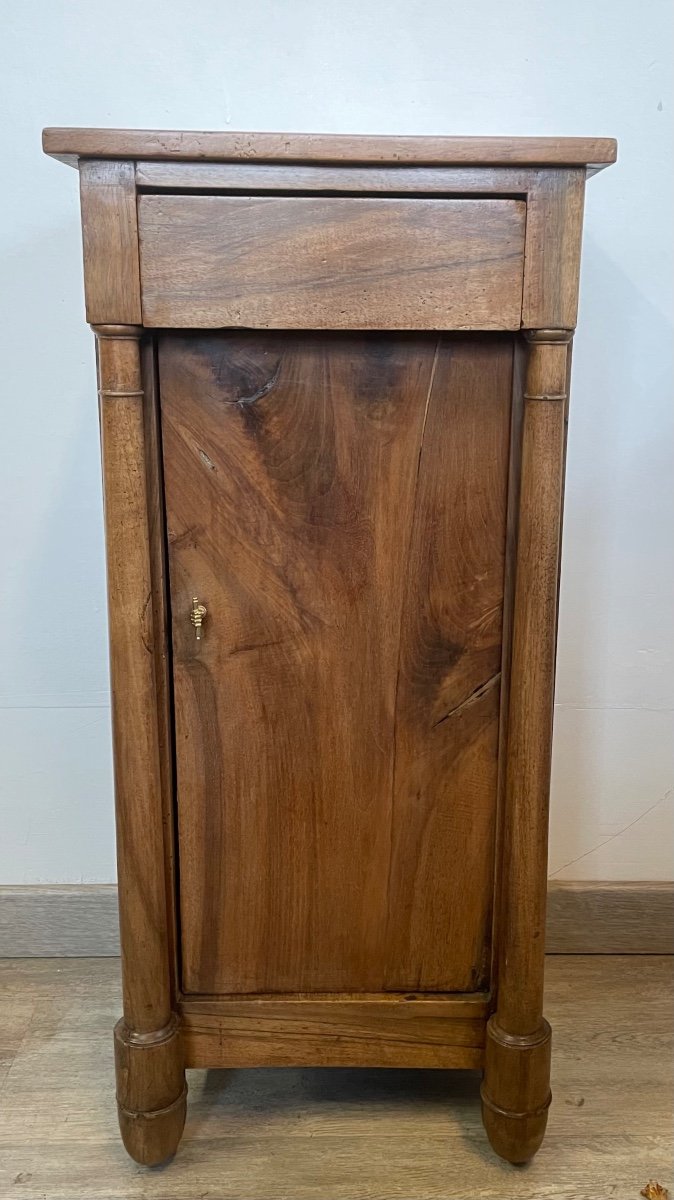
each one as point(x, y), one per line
point(145, 632)
point(256, 646)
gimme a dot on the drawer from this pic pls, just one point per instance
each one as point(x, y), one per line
point(331, 262)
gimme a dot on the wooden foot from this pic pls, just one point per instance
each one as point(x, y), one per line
point(516, 1091)
point(151, 1092)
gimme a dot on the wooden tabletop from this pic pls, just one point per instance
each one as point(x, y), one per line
point(69, 145)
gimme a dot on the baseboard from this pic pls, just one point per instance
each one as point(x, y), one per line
point(78, 921)
point(583, 918)
point(610, 918)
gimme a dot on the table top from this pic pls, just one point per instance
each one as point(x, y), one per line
point(69, 145)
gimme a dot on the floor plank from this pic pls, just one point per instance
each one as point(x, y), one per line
point(340, 1134)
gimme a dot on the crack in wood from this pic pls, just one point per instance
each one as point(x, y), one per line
point(244, 401)
point(477, 694)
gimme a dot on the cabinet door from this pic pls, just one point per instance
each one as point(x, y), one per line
point(337, 501)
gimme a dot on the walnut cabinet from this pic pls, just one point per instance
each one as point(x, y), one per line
point(333, 381)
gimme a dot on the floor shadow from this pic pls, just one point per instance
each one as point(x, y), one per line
point(284, 1096)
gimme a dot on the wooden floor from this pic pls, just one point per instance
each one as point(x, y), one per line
point(340, 1134)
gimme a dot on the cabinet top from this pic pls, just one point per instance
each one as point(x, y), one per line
point(69, 145)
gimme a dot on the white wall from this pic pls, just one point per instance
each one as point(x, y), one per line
point(596, 67)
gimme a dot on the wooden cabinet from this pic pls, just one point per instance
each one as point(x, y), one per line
point(333, 391)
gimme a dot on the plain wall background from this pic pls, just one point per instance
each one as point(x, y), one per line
point(592, 67)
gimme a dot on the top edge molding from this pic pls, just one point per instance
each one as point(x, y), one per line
point(71, 145)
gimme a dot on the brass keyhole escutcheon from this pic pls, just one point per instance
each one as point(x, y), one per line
point(197, 613)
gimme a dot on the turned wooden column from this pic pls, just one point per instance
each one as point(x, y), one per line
point(150, 1076)
point(516, 1089)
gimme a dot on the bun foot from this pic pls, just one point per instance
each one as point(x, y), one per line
point(151, 1092)
point(516, 1091)
point(153, 1137)
point(514, 1136)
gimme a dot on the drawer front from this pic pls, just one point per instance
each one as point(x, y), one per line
point(331, 263)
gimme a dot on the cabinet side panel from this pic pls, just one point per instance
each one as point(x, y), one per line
point(448, 693)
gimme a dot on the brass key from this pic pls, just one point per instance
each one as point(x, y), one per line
point(197, 614)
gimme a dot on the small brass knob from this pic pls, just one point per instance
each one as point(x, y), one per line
point(197, 613)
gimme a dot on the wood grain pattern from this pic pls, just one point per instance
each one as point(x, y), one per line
point(290, 466)
point(138, 798)
point(71, 144)
point(552, 253)
point(147, 1044)
point(516, 1088)
point(367, 1031)
point(151, 1092)
point(293, 517)
point(515, 1092)
point(448, 691)
point(347, 1134)
point(532, 684)
point(516, 415)
point(110, 243)
point(331, 263)
point(260, 176)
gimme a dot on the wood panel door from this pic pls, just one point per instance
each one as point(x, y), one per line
point(337, 501)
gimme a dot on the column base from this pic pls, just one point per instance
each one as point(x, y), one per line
point(516, 1090)
point(151, 1091)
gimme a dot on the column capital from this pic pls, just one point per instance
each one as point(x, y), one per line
point(119, 332)
point(548, 337)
